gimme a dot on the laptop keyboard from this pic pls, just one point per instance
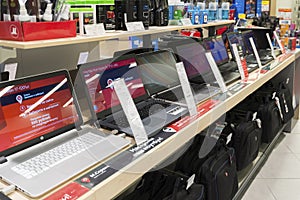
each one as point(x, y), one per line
point(144, 112)
point(48, 159)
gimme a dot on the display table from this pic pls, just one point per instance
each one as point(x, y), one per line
point(119, 181)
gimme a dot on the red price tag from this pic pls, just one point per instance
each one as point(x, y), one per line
point(245, 67)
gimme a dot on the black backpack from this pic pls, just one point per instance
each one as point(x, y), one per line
point(246, 136)
point(218, 174)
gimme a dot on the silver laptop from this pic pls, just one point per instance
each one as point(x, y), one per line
point(43, 142)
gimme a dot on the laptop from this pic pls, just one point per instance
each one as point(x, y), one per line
point(97, 78)
point(160, 77)
point(138, 50)
point(43, 142)
point(228, 69)
point(250, 57)
point(236, 38)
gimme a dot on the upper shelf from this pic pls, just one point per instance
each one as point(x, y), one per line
point(106, 36)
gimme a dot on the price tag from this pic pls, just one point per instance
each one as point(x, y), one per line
point(216, 72)
point(186, 21)
point(279, 43)
point(12, 69)
point(130, 111)
point(271, 45)
point(187, 91)
point(255, 53)
point(83, 56)
point(135, 26)
point(94, 29)
point(239, 62)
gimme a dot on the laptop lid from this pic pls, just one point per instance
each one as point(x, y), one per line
point(260, 36)
point(236, 38)
point(217, 48)
point(246, 36)
point(97, 78)
point(35, 109)
point(195, 62)
point(158, 71)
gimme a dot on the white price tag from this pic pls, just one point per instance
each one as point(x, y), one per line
point(216, 72)
point(130, 111)
point(238, 60)
point(83, 56)
point(255, 53)
point(271, 45)
point(12, 69)
point(135, 26)
point(187, 91)
point(186, 22)
point(279, 42)
point(190, 181)
point(94, 29)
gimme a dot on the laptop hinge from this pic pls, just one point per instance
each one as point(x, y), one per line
point(3, 160)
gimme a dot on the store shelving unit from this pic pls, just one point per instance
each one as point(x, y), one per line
point(127, 176)
point(296, 13)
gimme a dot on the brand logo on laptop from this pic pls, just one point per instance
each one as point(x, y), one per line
point(110, 84)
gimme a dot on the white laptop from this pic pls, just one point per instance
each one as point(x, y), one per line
point(43, 142)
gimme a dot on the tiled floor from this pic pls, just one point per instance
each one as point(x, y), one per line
point(279, 178)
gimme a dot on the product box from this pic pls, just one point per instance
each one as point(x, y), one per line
point(29, 31)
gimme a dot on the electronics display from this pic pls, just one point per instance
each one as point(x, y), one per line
point(217, 48)
point(99, 77)
point(246, 36)
point(34, 109)
point(143, 12)
point(153, 67)
point(195, 62)
point(236, 38)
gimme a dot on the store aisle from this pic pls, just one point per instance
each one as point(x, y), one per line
point(279, 178)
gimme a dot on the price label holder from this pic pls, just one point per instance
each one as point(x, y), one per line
point(83, 56)
point(216, 72)
point(279, 43)
point(241, 64)
point(130, 111)
point(255, 53)
point(134, 26)
point(187, 91)
point(186, 22)
point(271, 46)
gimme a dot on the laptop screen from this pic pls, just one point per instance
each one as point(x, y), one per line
point(217, 48)
point(158, 71)
point(100, 75)
point(236, 38)
point(246, 35)
point(31, 108)
point(193, 57)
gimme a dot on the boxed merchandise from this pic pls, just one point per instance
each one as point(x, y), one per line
point(29, 31)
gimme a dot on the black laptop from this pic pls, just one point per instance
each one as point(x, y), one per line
point(250, 57)
point(228, 68)
point(236, 38)
point(159, 74)
point(98, 77)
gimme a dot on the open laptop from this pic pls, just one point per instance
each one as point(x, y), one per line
point(106, 110)
point(228, 69)
point(42, 141)
point(160, 77)
point(250, 57)
point(236, 38)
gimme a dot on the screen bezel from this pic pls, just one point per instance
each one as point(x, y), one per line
point(52, 134)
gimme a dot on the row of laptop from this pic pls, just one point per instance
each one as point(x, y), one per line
point(44, 141)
